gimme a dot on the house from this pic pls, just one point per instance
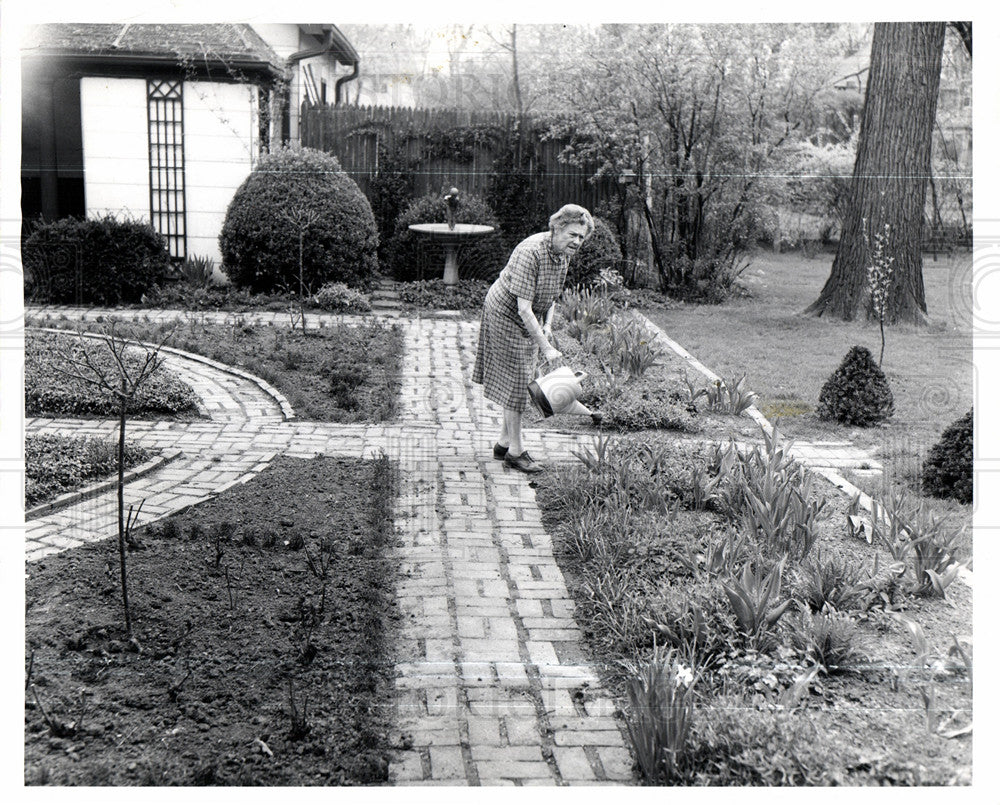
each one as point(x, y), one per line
point(164, 122)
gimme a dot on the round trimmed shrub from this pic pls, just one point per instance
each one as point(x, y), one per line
point(600, 251)
point(103, 261)
point(857, 393)
point(292, 190)
point(416, 257)
point(947, 472)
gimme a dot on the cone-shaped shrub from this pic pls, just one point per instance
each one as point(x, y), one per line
point(948, 468)
point(295, 190)
point(857, 393)
point(599, 251)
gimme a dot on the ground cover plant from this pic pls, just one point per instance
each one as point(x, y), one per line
point(425, 296)
point(635, 383)
point(751, 649)
point(262, 651)
point(54, 465)
point(338, 373)
point(51, 391)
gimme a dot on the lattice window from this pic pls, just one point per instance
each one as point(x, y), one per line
point(165, 106)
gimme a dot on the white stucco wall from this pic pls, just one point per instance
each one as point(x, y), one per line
point(115, 146)
point(220, 147)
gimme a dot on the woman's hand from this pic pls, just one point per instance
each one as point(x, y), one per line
point(551, 353)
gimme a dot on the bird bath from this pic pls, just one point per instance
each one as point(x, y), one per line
point(450, 236)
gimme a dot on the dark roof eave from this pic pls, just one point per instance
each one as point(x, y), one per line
point(202, 67)
point(346, 54)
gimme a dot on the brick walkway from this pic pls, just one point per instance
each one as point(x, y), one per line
point(491, 687)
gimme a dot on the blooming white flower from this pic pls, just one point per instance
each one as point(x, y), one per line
point(683, 677)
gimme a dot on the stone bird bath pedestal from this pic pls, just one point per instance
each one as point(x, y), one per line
point(450, 236)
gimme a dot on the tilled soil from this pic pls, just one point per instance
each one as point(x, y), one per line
point(262, 651)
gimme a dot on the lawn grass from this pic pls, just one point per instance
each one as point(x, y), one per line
point(788, 356)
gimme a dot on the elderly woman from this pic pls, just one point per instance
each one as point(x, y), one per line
point(510, 332)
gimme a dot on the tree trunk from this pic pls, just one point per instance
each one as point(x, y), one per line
point(890, 173)
point(123, 402)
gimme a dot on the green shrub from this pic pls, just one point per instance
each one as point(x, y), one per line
point(336, 296)
point(434, 294)
point(599, 251)
point(49, 391)
point(389, 191)
point(101, 261)
point(185, 296)
point(55, 465)
point(838, 582)
point(947, 472)
point(414, 257)
point(289, 192)
point(857, 393)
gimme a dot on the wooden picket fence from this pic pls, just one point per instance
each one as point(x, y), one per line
point(354, 133)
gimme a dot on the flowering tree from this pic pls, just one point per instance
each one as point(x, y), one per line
point(699, 116)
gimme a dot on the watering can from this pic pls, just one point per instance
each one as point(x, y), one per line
point(559, 392)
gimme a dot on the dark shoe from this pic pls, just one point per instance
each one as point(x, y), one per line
point(596, 417)
point(499, 451)
point(522, 463)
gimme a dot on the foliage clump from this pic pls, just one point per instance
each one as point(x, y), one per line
point(947, 472)
point(103, 261)
point(50, 391)
point(516, 192)
point(465, 295)
point(298, 197)
point(54, 465)
point(336, 296)
point(411, 256)
point(600, 252)
point(857, 393)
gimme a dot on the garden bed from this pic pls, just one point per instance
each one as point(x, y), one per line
point(787, 357)
point(50, 390)
point(338, 373)
point(646, 559)
point(263, 628)
point(55, 465)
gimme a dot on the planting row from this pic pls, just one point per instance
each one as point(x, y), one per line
point(729, 584)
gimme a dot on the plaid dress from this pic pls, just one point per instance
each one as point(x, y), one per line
point(506, 355)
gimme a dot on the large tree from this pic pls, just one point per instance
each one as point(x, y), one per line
point(891, 170)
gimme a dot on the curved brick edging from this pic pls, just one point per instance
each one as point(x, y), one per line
point(88, 492)
point(287, 412)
